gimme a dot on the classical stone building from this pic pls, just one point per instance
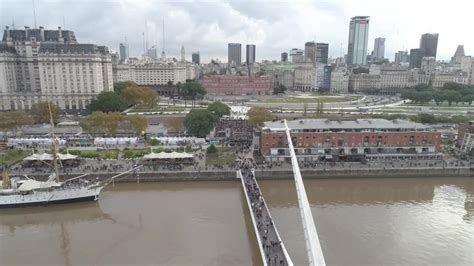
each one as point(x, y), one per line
point(305, 77)
point(50, 65)
point(237, 85)
point(339, 80)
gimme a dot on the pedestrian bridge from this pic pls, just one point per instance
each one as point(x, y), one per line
point(271, 246)
point(264, 226)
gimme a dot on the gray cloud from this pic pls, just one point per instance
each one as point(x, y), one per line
point(274, 26)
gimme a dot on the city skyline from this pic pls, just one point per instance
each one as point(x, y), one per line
point(274, 27)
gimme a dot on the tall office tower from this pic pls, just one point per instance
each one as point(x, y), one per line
point(250, 55)
point(379, 49)
point(322, 52)
point(183, 54)
point(416, 56)
point(358, 38)
point(196, 58)
point(123, 52)
point(234, 54)
point(429, 43)
point(402, 57)
point(310, 51)
point(152, 53)
point(284, 57)
point(297, 55)
point(458, 55)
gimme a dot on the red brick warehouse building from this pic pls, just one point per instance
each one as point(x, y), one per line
point(237, 85)
point(372, 139)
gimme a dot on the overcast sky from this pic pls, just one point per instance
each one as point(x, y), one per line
point(274, 26)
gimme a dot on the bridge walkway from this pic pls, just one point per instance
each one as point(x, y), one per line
point(271, 246)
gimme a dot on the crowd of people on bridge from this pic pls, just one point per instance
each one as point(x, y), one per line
point(271, 245)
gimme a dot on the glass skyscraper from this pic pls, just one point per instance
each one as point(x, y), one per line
point(358, 38)
point(234, 56)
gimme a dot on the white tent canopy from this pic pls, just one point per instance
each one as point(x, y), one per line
point(178, 140)
point(115, 141)
point(166, 155)
point(49, 157)
point(12, 142)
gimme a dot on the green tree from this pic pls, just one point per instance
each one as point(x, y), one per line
point(119, 87)
point(426, 118)
point(40, 112)
point(136, 123)
point(199, 122)
point(11, 121)
point(439, 96)
point(108, 101)
point(419, 94)
point(193, 90)
point(104, 123)
point(219, 109)
point(141, 95)
point(258, 115)
point(280, 89)
point(469, 98)
point(452, 96)
point(212, 149)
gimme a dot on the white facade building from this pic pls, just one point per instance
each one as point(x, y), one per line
point(49, 65)
point(379, 49)
point(297, 55)
point(339, 80)
point(155, 72)
point(305, 77)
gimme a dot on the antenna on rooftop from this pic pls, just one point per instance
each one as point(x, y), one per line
point(146, 36)
point(163, 35)
point(34, 12)
point(64, 22)
point(144, 49)
point(13, 23)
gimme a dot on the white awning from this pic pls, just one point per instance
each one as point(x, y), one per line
point(166, 155)
point(49, 157)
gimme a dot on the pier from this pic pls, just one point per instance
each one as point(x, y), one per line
point(271, 246)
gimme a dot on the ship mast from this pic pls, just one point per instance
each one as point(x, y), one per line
point(54, 145)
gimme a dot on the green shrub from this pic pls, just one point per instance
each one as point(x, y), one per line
point(211, 149)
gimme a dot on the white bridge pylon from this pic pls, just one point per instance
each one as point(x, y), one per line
point(313, 247)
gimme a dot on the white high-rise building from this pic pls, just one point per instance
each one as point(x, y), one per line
point(234, 54)
point(49, 65)
point(358, 38)
point(297, 55)
point(379, 49)
point(250, 54)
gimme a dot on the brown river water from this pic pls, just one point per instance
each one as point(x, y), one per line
point(391, 221)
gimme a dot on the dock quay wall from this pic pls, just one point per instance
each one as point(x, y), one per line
point(281, 174)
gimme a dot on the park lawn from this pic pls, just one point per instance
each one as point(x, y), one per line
point(13, 156)
point(324, 99)
point(224, 156)
point(138, 109)
point(99, 154)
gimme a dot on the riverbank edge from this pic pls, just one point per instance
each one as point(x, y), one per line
point(285, 174)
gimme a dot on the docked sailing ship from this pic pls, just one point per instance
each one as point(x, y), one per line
point(25, 191)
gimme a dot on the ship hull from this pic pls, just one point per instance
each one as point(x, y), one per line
point(44, 198)
point(46, 203)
